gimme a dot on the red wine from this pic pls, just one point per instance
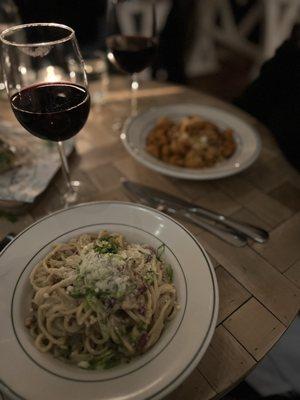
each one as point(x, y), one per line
point(53, 111)
point(131, 53)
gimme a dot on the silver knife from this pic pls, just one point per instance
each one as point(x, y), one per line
point(167, 200)
point(228, 235)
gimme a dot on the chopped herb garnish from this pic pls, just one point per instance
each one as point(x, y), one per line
point(149, 277)
point(111, 362)
point(106, 245)
point(142, 327)
point(76, 293)
point(65, 352)
point(108, 360)
point(90, 298)
point(160, 251)
point(169, 273)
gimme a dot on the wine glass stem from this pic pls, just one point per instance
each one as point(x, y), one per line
point(134, 89)
point(64, 165)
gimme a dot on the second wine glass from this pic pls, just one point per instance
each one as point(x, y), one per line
point(131, 39)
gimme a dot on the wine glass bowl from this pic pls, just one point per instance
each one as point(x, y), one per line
point(131, 39)
point(131, 54)
point(46, 84)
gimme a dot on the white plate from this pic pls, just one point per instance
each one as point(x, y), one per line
point(28, 374)
point(247, 139)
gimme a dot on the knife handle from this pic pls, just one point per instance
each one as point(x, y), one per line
point(257, 234)
point(229, 236)
point(253, 232)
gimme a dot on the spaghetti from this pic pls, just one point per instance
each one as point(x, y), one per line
point(99, 300)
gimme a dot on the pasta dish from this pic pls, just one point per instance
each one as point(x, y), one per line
point(192, 142)
point(99, 301)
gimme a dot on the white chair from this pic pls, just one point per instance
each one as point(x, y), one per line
point(131, 9)
point(276, 18)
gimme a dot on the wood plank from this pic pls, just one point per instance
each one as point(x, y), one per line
point(237, 188)
point(116, 194)
point(193, 189)
point(232, 294)
point(132, 170)
point(106, 178)
point(260, 204)
point(282, 249)
point(83, 143)
point(225, 361)
point(247, 216)
point(255, 328)
point(125, 95)
point(195, 387)
point(288, 195)
point(293, 273)
point(217, 201)
point(269, 154)
point(267, 208)
point(97, 157)
point(97, 133)
point(260, 278)
point(213, 261)
point(282, 166)
point(49, 201)
point(294, 178)
point(265, 174)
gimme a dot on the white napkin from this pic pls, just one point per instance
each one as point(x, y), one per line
point(38, 162)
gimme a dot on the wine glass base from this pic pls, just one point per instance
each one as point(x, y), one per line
point(117, 126)
point(71, 196)
point(75, 185)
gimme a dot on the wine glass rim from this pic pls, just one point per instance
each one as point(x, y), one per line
point(37, 24)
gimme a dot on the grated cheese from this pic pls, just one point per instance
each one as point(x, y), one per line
point(104, 272)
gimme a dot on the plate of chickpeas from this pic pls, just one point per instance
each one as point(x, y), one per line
point(192, 141)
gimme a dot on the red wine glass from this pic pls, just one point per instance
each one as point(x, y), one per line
point(46, 83)
point(131, 39)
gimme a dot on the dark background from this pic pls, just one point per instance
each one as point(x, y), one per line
point(87, 18)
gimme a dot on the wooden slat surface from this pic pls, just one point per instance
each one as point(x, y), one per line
point(259, 284)
point(258, 276)
point(225, 360)
point(195, 387)
point(232, 294)
point(283, 249)
point(293, 273)
point(255, 328)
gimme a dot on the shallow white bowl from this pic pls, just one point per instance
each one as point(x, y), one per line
point(247, 140)
point(28, 374)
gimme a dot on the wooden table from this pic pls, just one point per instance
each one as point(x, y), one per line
point(259, 284)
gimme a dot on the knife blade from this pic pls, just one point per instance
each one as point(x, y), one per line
point(165, 199)
point(225, 234)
